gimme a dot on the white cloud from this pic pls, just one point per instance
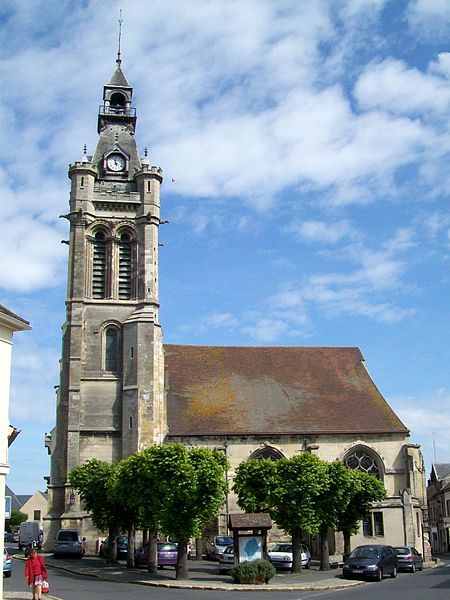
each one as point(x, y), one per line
point(321, 231)
point(418, 413)
point(393, 86)
point(429, 20)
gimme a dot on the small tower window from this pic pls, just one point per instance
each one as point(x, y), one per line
point(125, 267)
point(111, 349)
point(117, 102)
point(99, 266)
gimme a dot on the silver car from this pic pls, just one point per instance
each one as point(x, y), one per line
point(216, 545)
point(409, 559)
point(68, 542)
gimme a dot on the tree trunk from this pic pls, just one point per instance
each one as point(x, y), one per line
point(131, 545)
point(152, 565)
point(145, 537)
point(296, 551)
point(347, 546)
point(182, 571)
point(111, 552)
point(198, 549)
point(324, 549)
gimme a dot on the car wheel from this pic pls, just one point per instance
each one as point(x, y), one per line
point(379, 576)
point(161, 566)
point(413, 567)
point(8, 574)
point(394, 573)
point(421, 567)
point(308, 564)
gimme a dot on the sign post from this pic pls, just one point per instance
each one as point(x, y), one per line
point(7, 507)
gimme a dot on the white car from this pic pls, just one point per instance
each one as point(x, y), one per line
point(281, 556)
point(226, 560)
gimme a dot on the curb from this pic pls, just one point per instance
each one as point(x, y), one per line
point(193, 585)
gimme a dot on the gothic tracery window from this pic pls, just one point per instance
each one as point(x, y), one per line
point(266, 454)
point(363, 460)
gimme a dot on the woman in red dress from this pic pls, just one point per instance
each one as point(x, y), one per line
point(35, 572)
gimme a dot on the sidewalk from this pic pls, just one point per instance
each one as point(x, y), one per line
point(203, 575)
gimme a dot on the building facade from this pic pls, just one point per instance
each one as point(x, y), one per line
point(438, 492)
point(122, 390)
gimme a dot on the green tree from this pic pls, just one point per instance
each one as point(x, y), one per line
point(301, 481)
point(366, 490)
point(289, 489)
point(17, 517)
point(93, 480)
point(330, 506)
point(253, 482)
point(190, 487)
point(135, 486)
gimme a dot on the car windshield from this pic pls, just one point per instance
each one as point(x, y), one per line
point(229, 550)
point(365, 552)
point(68, 536)
point(167, 547)
point(282, 548)
point(402, 550)
point(224, 541)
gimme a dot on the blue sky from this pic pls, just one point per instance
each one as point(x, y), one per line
point(305, 147)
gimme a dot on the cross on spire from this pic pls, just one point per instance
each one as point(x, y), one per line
point(119, 60)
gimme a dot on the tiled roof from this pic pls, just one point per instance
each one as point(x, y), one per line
point(222, 390)
point(9, 313)
point(442, 470)
point(118, 78)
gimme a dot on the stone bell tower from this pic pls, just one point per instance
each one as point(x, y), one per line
point(110, 402)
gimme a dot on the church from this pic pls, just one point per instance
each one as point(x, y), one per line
point(122, 389)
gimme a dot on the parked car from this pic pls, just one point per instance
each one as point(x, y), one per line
point(14, 537)
point(121, 547)
point(215, 546)
point(226, 559)
point(409, 559)
point(7, 563)
point(30, 533)
point(167, 553)
point(372, 561)
point(68, 542)
point(281, 556)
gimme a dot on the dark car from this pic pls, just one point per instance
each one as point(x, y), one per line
point(409, 559)
point(121, 547)
point(167, 555)
point(373, 561)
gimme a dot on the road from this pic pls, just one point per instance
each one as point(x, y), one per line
point(432, 584)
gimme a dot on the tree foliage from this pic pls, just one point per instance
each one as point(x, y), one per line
point(366, 489)
point(15, 520)
point(93, 480)
point(289, 489)
point(191, 487)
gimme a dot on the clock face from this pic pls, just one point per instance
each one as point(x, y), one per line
point(116, 162)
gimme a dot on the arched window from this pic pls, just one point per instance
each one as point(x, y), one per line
point(117, 102)
point(363, 460)
point(111, 354)
point(266, 454)
point(125, 267)
point(99, 266)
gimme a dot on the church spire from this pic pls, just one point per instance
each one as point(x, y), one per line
point(119, 60)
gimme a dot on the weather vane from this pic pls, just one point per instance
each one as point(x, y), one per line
point(119, 60)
